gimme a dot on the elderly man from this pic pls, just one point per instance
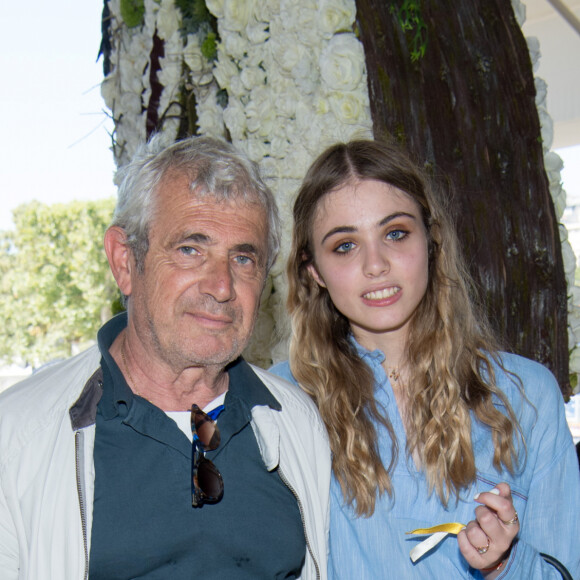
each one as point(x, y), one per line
point(114, 464)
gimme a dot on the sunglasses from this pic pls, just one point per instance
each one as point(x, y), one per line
point(207, 485)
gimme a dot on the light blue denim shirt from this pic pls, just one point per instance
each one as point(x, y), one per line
point(545, 490)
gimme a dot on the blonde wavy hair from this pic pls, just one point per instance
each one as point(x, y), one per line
point(449, 354)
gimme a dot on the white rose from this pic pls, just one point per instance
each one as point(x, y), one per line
point(268, 168)
point(210, 121)
point(574, 310)
point(569, 259)
point(210, 116)
point(287, 97)
point(575, 362)
point(297, 162)
point(151, 9)
point(168, 20)
point(350, 132)
point(307, 76)
point(216, 7)
point(310, 38)
point(109, 90)
point(257, 32)
point(348, 107)
point(553, 162)
point(286, 51)
point(300, 21)
point(342, 63)
point(201, 79)
point(235, 45)
point(115, 8)
point(171, 127)
point(541, 92)
point(288, 7)
point(237, 87)
point(224, 71)
point(260, 117)
point(279, 146)
point(235, 119)
point(252, 77)
point(130, 103)
point(171, 69)
point(547, 128)
point(137, 56)
point(192, 54)
point(559, 200)
point(534, 50)
point(519, 11)
point(237, 14)
point(257, 149)
point(336, 16)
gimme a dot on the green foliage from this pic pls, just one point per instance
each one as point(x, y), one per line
point(209, 46)
point(411, 22)
point(132, 12)
point(195, 17)
point(55, 284)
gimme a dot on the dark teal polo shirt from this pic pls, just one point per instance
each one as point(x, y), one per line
point(143, 523)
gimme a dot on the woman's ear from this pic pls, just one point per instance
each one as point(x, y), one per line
point(119, 256)
point(314, 273)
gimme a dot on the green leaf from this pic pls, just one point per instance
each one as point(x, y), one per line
point(133, 12)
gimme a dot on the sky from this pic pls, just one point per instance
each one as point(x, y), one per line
point(55, 144)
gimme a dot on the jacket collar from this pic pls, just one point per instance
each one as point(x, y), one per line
point(84, 411)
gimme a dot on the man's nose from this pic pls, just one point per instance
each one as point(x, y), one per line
point(217, 280)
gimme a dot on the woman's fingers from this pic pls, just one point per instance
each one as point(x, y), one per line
point(486, 539)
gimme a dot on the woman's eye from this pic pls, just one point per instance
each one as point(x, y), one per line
point(344, 247)
point(396, 235)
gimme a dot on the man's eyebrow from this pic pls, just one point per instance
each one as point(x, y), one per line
point(246, 248)
point(195, 237)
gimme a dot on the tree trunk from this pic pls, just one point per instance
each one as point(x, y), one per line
point(467, 109)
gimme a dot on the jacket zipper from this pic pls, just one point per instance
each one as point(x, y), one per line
point(78, 451)
point(287, 484)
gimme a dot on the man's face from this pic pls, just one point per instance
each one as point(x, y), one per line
point(196, 301)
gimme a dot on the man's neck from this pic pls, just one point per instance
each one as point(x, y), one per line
point(166, 388)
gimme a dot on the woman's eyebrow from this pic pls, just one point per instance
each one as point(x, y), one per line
point(394, 216)
point(338, 230)
point(352, 229)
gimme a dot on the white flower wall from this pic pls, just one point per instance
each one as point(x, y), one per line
point(288, 79)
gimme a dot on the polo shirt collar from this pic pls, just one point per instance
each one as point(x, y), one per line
point(117, 396)
point(244, 384)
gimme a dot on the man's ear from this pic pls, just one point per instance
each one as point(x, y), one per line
point(314, 273)
point(119, 256)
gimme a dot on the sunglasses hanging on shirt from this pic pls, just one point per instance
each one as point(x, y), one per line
point(207, 485)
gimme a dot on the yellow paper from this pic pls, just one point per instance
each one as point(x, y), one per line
point(452, 528)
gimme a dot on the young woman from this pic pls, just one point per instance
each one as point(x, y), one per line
point(429, 423)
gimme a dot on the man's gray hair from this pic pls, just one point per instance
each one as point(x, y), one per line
point(215, 169)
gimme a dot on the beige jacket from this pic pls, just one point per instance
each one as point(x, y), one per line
point(47, 475)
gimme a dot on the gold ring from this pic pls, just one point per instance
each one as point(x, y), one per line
point(514, 520)
point(484, 549)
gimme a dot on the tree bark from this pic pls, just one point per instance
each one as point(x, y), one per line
point(466, 108)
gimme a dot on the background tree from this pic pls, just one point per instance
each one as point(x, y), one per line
point(454, 83)
point(55, 282)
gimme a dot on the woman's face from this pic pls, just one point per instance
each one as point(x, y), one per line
point(371, 254)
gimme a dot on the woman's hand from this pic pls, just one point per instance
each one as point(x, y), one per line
point(485, 542)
